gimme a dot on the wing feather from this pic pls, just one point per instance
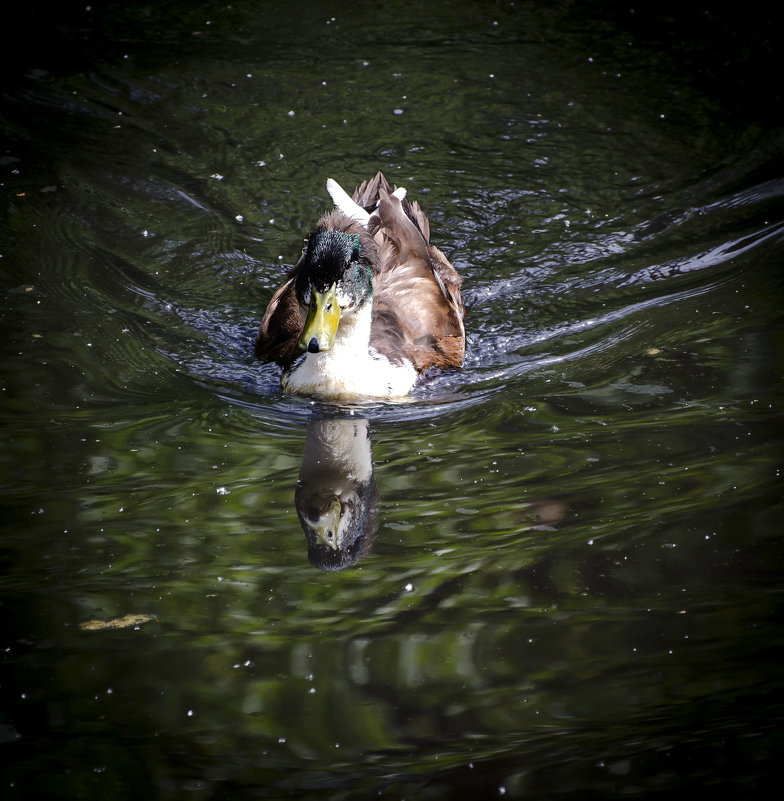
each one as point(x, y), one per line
point(280, 327)
point(418, 310)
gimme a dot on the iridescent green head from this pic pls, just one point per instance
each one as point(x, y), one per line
point(334, 278)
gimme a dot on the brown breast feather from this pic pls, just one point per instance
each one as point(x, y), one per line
point(280, 327)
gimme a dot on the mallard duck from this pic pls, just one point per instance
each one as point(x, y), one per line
point(370, 304)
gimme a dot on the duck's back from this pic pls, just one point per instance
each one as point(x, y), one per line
point(417, 307)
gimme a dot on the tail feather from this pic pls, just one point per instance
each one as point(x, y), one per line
point(345, 204)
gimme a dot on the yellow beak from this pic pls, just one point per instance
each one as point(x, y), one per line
point(321, 324)
point(327, 527)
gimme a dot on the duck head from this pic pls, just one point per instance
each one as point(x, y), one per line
point(336, 278)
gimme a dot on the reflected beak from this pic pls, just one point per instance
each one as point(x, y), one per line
point(327, 527)
point(321, 324)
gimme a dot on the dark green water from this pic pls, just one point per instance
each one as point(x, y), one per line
point(572, 587)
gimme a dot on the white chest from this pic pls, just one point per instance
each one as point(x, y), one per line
point(340, 373)
point(349, 368)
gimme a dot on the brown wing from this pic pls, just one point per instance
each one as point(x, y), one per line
point(366, 194)
point(280, 327)
point(417, 307)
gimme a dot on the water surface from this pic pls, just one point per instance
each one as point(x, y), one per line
point(569, 580)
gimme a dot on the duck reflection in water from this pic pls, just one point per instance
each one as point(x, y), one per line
point(336, 498)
